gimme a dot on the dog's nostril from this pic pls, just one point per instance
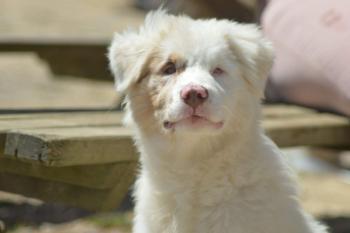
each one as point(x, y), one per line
point(194, 95)
point(201, 96)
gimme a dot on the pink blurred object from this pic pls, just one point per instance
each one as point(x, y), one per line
point(312, 43)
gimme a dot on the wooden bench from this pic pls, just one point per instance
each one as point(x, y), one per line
point(87, 159)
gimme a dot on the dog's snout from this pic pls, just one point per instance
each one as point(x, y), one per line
point(194, 95)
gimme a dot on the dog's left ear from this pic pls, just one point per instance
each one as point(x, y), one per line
point(253, 52)
point(128, 56)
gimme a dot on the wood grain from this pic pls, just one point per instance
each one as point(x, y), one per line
point(309, 130)
point(100, 176)
point(69, 139)
point(71, 146)
point(52, 191)
point(59, 120)
point(73, 44)
point(26, 82)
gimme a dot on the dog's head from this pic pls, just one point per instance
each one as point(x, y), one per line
point(184, 75)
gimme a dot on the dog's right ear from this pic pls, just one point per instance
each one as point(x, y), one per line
point(128, 56)
point(131, 51)
point(253, 51)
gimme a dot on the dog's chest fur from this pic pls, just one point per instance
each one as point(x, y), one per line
point(231, 190)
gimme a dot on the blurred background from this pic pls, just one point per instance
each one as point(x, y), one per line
point(52, 58)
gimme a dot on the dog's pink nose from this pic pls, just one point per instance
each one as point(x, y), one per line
point(194, 95)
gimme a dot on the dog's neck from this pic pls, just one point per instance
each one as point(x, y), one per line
point(180, 157)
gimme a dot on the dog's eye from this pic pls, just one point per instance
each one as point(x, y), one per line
point(217, 71)
point(169, 68)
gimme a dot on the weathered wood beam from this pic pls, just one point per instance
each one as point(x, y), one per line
point(74, 195)
point(94, 138)
point(71, 146)
point(59, 120)
point(100, 176)
point(309, 130)
point(79, 57)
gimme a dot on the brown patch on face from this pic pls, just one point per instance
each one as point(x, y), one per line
point(157, 100)
point(146, 67)
point(149, 96)
point(141, 107)
point(152, 58)
point(161, 87)
point(173, 60)
point(176, 58)
point(156, 85)
point(139, 95)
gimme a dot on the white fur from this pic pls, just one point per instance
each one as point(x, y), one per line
point(198, 179)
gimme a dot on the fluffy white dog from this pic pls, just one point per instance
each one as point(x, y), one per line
point(193, 90)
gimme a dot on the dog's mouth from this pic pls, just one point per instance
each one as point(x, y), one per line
point(194, 121)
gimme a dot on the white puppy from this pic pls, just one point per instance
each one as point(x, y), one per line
point(193, 90)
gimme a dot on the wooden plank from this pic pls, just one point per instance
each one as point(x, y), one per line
point(71, 51)
point(22, 19)
point(57, 120)
point(17, 44)
point(37, 88)
point(110, 117)
point(101, 176)
point(51, 191)
point(309, 130)
point(119, 191)
point(326, 194)
point(2, 143)
point(71, 146)
point(270, 111)
point(42, 120)
point(76, 57)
